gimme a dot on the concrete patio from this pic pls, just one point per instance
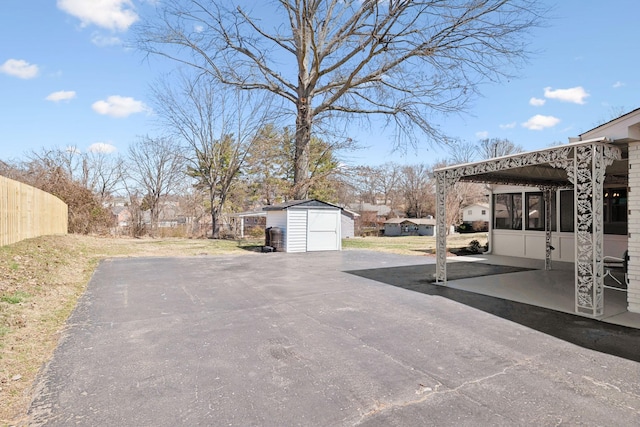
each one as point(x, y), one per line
point(553, 289)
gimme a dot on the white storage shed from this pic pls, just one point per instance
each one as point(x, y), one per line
point(307, 225)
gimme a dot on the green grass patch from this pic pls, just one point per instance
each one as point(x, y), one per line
point(15, 298)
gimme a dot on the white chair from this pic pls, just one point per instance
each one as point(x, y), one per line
point(615, 263)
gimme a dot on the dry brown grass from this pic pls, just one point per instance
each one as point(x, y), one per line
point(411, 245)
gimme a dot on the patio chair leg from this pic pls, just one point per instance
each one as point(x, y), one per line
point(608, 273)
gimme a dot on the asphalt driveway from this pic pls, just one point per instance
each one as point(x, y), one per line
point(293, 339)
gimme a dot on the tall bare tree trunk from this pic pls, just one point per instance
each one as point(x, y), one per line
point(303, 141)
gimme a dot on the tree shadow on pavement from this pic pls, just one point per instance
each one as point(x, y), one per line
point(589, 333)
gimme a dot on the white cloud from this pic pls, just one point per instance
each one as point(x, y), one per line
point(61, 95)
point(618, 84)
point(116, 15)
point(537, 102)
point(575, 94)
point(19, 68)
point(482, 134)
point(509, 125)
point(102, 41)
point(540, 122)
point(101, 147)
point(119, 106)
point(198, 28)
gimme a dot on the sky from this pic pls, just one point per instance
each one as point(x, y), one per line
point(70, 78)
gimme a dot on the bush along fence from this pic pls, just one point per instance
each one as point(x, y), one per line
point(27, 212)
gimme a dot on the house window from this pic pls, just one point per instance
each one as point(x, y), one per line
point(469, 212)
point(566, 211)
point(536, 211)
point(507, 211)
point(484, 212)
point(614, 211)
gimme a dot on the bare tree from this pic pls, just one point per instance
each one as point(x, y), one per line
point(389, 175)
point(219, 125)
point(462, 152)
point(418, 189)
point(464, 193)
point(403, 60)
point(365, 180)
point(102, 173)
point(156, 165)
point(57, 171)
point(497, 147)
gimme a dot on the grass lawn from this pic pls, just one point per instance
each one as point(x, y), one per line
point(41, 280)
point(411, 245)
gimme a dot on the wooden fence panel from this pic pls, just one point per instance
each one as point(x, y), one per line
point(27, 212)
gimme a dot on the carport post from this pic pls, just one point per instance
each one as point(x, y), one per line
point(548, 192)
point(590, 162)
point(441, 227)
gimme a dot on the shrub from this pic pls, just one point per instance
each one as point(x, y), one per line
point(479, 226)
point(474, 246)
point(464, 228)
point(256, 232)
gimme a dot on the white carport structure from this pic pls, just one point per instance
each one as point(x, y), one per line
point(580, 165)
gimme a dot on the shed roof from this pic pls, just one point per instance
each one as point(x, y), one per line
point(247, 214)
point(301, 204)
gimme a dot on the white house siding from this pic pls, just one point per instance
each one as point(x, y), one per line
point(426, 230)
point(347, 226)
point(297, 230)
point(633, 204)
point(474, 213)
point(279, 219)
point(392, 229)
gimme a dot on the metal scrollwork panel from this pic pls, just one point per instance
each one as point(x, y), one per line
point(591, 163)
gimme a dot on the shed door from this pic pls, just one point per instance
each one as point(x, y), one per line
point(323, 230)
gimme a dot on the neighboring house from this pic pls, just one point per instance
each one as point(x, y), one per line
point(243, 222)
point(577, 202)
point(372, 217)
point(475, 218)
point(476, 212)
point(122, 215)
point(410, 227)
point(381, 211)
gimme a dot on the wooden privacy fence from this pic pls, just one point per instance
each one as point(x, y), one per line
point(27, 212)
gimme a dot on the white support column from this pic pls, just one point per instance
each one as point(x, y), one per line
point(589, 178)
point(441, 227)
point(547, 226)
point(633, 223)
